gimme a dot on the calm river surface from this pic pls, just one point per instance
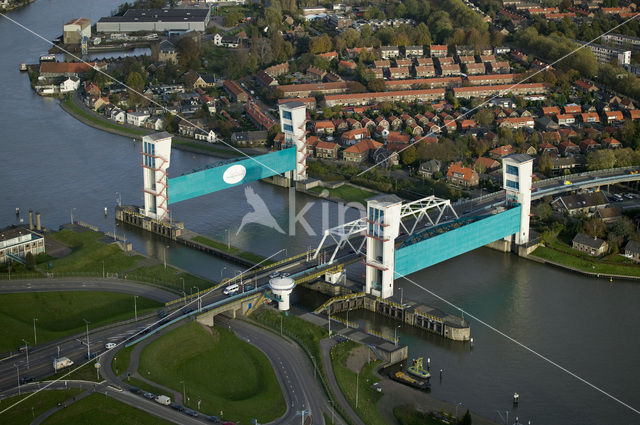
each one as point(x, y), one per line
point(54, 164)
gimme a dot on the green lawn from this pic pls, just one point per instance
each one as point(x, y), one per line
point(85, 373)
point(121, 360)
point(61, 314)
point(232, 250)
point(408, 415)
point(103, 122)
point(98, 409)
point(584, 263)
point(23, 414)
point(225, 372)
point(367, 397)
point(347, 193)
point(89, 253)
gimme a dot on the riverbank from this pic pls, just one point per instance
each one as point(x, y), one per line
point(74, 107)
point(16, 5)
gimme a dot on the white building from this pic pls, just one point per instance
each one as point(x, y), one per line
point(209, 137)
point(383, 218)
point(156, 20)
point(517, 170)
point(605, 54)
point(69, 85)
point(156, 157)
point(17, 242)
point(118, 115)
point(293, 118)
point(75, 29)
point(137, 118)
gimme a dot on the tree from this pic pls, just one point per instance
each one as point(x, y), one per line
point(543, 211)
point(545, 164)
point(466, 419)
point(321, 44)
point(188, 52)
point(409, 155)
point(595, 227)
point(30, 261)
point(377, 85)
point(355, 87)
point(136, 83)
point(601, 159)
point(484, 117)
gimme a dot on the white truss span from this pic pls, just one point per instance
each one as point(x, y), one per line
point(421, 209)
point(341, 235)
point(430, 208)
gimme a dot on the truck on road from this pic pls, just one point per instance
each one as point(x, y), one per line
point(163, 399)
point(61, 363)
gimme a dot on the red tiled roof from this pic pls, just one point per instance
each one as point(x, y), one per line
point(326, 145)
point(456, 167)
point(363, 146)
point(502, 150)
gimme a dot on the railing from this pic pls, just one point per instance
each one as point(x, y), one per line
point(338, 298)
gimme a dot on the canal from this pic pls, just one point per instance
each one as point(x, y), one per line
point(54, 164)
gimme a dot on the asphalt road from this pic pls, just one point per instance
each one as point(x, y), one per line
point(87, 284)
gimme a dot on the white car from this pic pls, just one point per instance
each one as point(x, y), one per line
point(110, 345)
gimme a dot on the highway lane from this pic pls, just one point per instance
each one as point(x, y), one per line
point(87, 284)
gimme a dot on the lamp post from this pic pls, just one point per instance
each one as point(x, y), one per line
point(228, 239)
point(184, 392)
point(26, 347)
point(459, 404)
point(103, 269)
point(199, 302)
point(35, 335)
point(357, 387)
point(135, 307)
point(182, 278)
point(280, 325)
point(222, 271)
point(329, 313)
point(401, 295)
point(395, 334)
point(164, 255)
point(184, 297)
point(18, 372)
point(88, 345)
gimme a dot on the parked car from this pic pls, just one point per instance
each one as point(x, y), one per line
point(134, 390)
point(191, 412)
point(176, 406)
point(150, 396)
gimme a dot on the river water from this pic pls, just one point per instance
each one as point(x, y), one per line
point(54, 164)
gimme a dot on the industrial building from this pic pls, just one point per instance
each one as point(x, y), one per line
point(156, 20)
point(17, 242)
point(75, 29)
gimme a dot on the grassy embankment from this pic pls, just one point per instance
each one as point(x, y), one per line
point(560, 252)
point(244, 384)
point(407, 415)
point(89, 255)
point(232, 250)
point(61, 314)
point(347, 193)
point(106, 124)
point(98, 409)
point(24, 413)
point(347, 379)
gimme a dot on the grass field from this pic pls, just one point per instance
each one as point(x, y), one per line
point(408, 415)
point(85, 373)
point(23, 414)
point(98, 409)
point(233, 250)
point(367, 397)
point(89, 252)
point(60, 314)
point(224, 372)
point(347, 193)
point(121, 360)
point(585, 263)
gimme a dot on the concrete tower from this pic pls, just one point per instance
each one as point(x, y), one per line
point(293, 119)
point(516, 179)
point(156, 158)
point(383, 225)
point(281, 288)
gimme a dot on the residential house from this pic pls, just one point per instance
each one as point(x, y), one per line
point(429, 168)
point(611, 143)
point(399, 72)
point(387, 52)
point(550, 110)
point(69, 84)
point(397, 137)
point(516, 123)
point(484, 164)
point(137, 118)
point(360, 151)
point(590, 117)
point(565, 119)
point(548, 149)
point(609, 214)
point(394, 122)
point(424, 71)
point(613, 116)
point(382, 63)
point(385, 157)
point(590, 245)
point(167, 52)
point(265, 79)
point(353, 123)
point(501, 151)
point(475, 68)
point(632, 250)
point(580, 203)
point(404, 62)
point(204, 81)
point(190, 128)
point(588, 145)
point(118, 115)
point(351, 137)
point(236, 92)
point(572, 108)
point(327, 150)
point(382, 122)
point(568, 148)
point(460, 175)
point(324, 127)
point(413, 50)
point(438, 51)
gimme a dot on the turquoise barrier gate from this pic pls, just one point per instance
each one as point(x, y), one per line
point(447, 245)
point(236, 173)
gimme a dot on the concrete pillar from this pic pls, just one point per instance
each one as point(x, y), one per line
point(517, 171)
point(30, 219)
point(293, 119)
point(383, 217)
point(156, 159)
point(38, 227)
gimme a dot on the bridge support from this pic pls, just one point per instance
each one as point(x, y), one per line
point(293, 120)
point(156, 158)
point(517, 171)
point(383, 226)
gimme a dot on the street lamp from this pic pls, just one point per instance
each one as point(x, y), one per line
point(26, 347)
point(281, 325)
point(357, 387)
point(459, 404)
point(401, 294)
point(182, 278)
point(395, 334)
point(164, 255)
point(184, 393)
point(222, 271)
point(88, 345)
point(35, 336)
point(135, 307)
point(103, 268)
point(18, 372)
point(228, 239)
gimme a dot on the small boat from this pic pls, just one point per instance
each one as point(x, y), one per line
point(417, 370)
point(23, 67)
point(407, 380)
